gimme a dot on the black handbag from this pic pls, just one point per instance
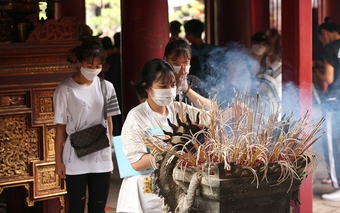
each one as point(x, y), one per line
point(94, 138)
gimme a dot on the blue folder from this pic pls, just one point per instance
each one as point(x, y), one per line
point(124, 166)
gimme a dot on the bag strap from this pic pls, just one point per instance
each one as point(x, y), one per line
point(103, 87)
point(277, 72)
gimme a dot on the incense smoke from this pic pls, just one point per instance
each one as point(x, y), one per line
point(232, 69)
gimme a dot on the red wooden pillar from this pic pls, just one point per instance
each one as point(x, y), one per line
point(232, 21)
point(331, 9)
point(145, 33)
point(297, 68)
point(71, 8)
point(239, 20)
point(260, 15)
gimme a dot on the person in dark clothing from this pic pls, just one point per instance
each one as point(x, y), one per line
point(107, 45)
point(199, 49)
point(114, 76)
point(175, 29)
point(330, 56)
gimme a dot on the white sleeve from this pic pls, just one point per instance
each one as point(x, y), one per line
point(112, 101)
point(60, 105)
point(133, 148)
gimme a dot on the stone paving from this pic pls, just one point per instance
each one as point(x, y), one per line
point(320, 205)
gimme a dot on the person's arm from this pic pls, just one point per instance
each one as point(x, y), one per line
point(110, 128)
point(144, 163)
point(198, 100)
point(328, 74)
point(133, 147)
point(60, 139)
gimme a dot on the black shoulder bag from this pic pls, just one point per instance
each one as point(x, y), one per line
point(94, 138)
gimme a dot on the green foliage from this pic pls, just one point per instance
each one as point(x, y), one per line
point(108, 21)
point(193, 10)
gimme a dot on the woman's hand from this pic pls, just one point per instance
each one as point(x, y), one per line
point(181, 80)
point(60, 138)
point(60, 170)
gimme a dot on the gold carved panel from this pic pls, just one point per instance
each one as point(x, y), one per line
point(47, 182)
point(10, 101)
point(50, 136)
point(35, 60)
point(43, 106)
point(18, 145)
point(64, 29)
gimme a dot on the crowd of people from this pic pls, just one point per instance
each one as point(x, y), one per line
point(185, 73)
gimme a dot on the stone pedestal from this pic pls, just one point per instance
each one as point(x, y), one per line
point(239, 190)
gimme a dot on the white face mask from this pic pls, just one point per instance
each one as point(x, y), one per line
point(178, 68)
point(163, 97)
point(258, 49)
point(89, 74)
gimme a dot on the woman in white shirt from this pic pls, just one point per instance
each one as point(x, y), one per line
point(78, 104)
point(138, 193)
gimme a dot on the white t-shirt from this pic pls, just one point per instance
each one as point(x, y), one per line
point(80, 107)
point(134, 195)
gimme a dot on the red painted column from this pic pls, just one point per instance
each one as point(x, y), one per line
point(260, 15)
point(232, 21)
point(331, 9)
point(145, 33)
point(297, 68)
point(239, 20)
point(71, 8)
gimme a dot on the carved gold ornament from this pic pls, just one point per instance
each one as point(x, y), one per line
point(18, 144)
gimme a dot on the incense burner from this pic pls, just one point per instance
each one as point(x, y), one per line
point(241, 189)
point(233, 160)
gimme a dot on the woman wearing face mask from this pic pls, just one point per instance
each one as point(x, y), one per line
point(77, 102)
point(158, 87)
point(259, 43)
point(190, 88)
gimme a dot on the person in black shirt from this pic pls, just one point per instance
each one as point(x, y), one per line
point(330, 56)
point(175, 29)
point(199, 49)
point(114, 76)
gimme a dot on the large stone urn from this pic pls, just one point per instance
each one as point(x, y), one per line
point(242, 190)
